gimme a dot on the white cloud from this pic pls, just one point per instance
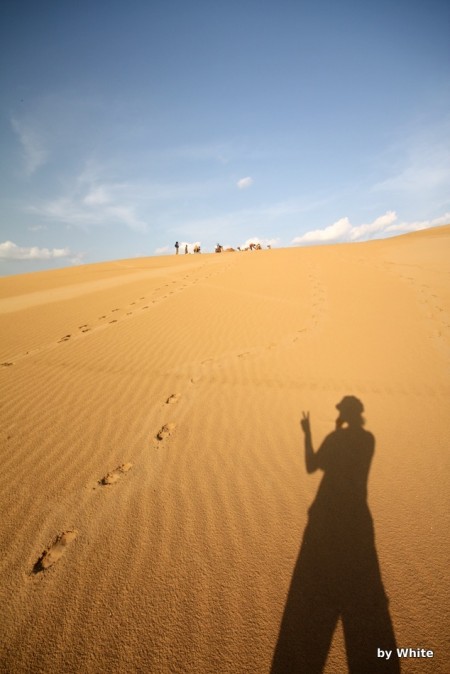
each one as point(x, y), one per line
point(417, 226)
point(386, 224)
point(34, 152)
point(335, 232)
point(11, 251)
point(244, 183)
point(77, 259)
point(378, 225)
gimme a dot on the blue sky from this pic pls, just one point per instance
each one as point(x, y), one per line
point(127, 126)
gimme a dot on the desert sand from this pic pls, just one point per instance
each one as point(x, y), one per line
point(154, 494)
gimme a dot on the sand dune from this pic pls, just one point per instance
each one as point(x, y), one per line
point(153, 488)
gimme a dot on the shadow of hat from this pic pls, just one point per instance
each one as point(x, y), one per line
point(350, 405)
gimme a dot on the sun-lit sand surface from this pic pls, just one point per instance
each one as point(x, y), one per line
point(153, 488)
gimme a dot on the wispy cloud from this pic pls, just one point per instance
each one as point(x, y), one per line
point(244, 183)
point(34, 152)
point(342, 230)
point(97, 196)
point(37, 228)
point(95, 206)
point(419, 165)
point(11, 251)
point(219, 152)
point(239, 222)
point(93, 201)
point(417, 179)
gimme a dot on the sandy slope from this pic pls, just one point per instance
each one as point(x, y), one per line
point(182, 562)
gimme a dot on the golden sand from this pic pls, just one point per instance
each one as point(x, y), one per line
point(153, 488)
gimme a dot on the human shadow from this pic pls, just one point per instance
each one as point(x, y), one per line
point(337, 574)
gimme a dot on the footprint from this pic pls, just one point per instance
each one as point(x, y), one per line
point(146, 306)
point(85, 329)
point(244, 355)
point(64, 339)
point(53, 553)
point(7, 364)
point(114, 321)
point(114, 475)
point(165, 431)
point(114, 309)
point(80, 327)
point(174, 398)
point(100, 317)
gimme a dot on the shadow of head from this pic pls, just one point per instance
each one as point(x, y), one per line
point(350, 412)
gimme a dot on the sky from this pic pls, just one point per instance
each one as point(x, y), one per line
point(125, 127)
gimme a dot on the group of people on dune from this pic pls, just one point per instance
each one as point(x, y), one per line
point(219, 248)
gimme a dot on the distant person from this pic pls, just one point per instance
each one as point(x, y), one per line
point(337, 575)
point(177, 245)
point(186, 250)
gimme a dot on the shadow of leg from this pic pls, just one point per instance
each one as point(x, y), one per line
point(366, 629)
point(305, 636)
